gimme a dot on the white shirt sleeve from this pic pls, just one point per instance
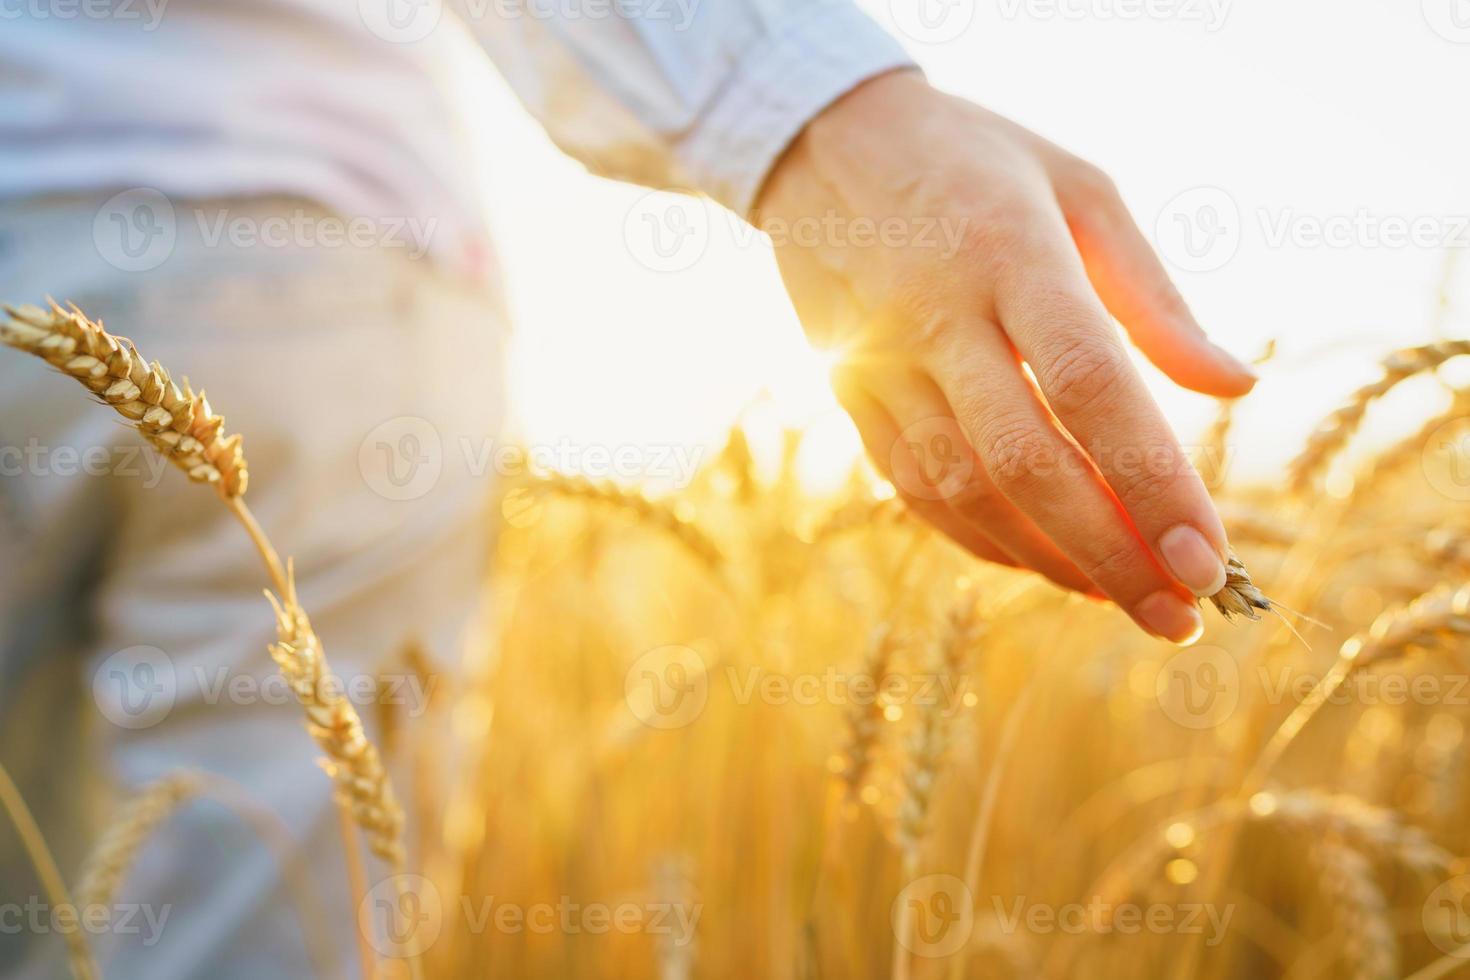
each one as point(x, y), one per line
point(693, 94)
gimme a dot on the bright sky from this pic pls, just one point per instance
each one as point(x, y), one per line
point(1339, 119)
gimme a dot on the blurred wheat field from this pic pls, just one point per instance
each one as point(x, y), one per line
point(683, 715)
point(746, 729)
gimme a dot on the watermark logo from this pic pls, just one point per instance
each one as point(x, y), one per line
point(940, 915)
point(40, 918)
point(1445, 459)
point(150, 12)
point(1199, 230)
point(402, 458)
point(1198, 687)
point(931, 459)
point(38, 459)
point(932, 21)
point(136, 688)
point(667, 687)
point(401, 916)
point(667, 232)
point(1210, 13)
point(1450, 19)
point(136, 230)
point(1446, 916)
point(401, 21)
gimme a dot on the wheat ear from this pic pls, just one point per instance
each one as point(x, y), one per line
point(181, 426)
point(650, 512)
point(1368, 946)
point(178, 423)
point(114, 854)
point(930, 736)
point(1431, 621)
point(1309, 815)
point(351, 759)
point(926, 748)
point(1407, 449)
point(1332, 435)
point(864, 717)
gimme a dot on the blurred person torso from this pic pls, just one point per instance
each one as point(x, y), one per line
point(223, 98)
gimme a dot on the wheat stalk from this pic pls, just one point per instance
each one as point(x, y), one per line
point(177, 423)
point(105, 867)
point(1334, 432)
point(1245, 523)
point(79, 956)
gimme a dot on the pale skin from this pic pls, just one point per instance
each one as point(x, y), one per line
point(1075, 474)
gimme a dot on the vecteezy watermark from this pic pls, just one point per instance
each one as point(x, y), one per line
point(148, 12)
point(409, 21)
point(1450, 19)
point(1445, 459)
point(135, 687)
point(1201, 229)
point(669, 686)
point(137, 230)
point(1198, 687)
point(403, 458)
point(404, 915)
point(39, 917)
point(1381, 685)
point(37, 459)
point(1098, 916)
point(1210, 13)
point(401, 21)
point(931, 459)
point(666, 231)
point(933, 916)
point(932, 21)
point(1446, 916)
point(138, 687)
point(301, 228)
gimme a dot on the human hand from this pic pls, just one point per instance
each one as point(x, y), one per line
point(985, 249)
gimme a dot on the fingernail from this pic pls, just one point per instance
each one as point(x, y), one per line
point(1232, 361)
point(1192, 560)
point(1171, 617)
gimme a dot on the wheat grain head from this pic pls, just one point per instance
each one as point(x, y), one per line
point(178, 423)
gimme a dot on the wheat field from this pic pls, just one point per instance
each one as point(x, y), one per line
point(749, 730)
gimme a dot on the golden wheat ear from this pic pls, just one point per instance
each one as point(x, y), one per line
point(1241, 597)
point(178, 423)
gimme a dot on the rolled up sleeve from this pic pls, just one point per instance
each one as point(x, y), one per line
point(696, 94)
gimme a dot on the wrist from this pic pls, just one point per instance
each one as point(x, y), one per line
point(870, 108)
